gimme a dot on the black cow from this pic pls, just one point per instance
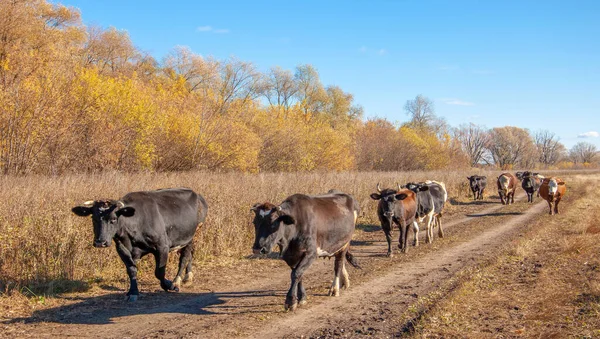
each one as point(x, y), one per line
point(431, 198)
point(397, 207)
point(306, 227)
point(531, 183)
point(154, 222)
point(477, 184)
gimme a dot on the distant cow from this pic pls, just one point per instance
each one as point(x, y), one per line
point(507, 185)
point(520, 175)
point(530, 184)
point(306, 227)
point(397, 207)
point(431, 197)
point(552, 190)
point(145, 222)
point(477, 184)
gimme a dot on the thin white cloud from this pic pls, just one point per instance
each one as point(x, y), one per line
point(453, 101)
point(212, 30)
point(590, 134)
point(363, 49)
point(382, 51)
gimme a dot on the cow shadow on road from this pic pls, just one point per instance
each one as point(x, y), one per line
point(106, 308)
point(456, 202)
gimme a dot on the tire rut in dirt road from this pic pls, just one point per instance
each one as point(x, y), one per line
point(370, 308)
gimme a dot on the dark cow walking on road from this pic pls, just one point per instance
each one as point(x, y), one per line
point(306, 227)
point(507, 185)
point(531, 184)
point(431, 199)
point(397, 207)
point(478, 184)
point(552, 190)
point(154, 222)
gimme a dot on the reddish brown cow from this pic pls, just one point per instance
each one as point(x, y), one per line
point(397, 208)
point(507, 185)
point(552, 190)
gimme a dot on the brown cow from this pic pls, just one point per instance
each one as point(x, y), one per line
point(399, 208)
point(507, 185)
point(552, 190)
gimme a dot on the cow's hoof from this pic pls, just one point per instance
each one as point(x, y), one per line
point(290, 307)
point(177, 282)
point(302, 301)
point(169, 286)
point(390, 255)
point(131, 297)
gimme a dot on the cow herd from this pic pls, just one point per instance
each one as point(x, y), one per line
point(302, 227)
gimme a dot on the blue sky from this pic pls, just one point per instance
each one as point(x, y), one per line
point(531, 64)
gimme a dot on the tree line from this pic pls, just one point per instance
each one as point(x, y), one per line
point(84, 99)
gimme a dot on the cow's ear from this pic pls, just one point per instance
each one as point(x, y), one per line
point(255, 207)
point(484, 177)
point(561, 183)
point(125, 212)
point(82, 211)
point(400, 196)
point(375, 196)
point(287, 219)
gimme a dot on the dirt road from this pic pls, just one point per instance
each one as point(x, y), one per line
point(247, 301)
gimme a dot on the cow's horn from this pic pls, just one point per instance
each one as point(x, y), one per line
point(88, 203)
point(378, 188)
point(279, 208)
point(399, 188)
point(120, 204)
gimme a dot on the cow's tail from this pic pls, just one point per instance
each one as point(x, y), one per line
point(350, 258)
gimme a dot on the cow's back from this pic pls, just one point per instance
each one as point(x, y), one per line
point(175, 211)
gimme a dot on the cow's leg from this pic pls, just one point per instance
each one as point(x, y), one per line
point(189, 275)
point(291, 300)
point(429, 228)
point(439, 223)
point(334, 290)
point(345, 276)
point(512, 197)
point(130, 260)
point(161, 256)
point(416, 232)
point(302, 299)
point(556, 205)
point(550, 206)
point(185, 258)
point(403, 238)
point(474, 195)
point(388, 237)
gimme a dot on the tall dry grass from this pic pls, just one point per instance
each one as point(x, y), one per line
point(42, 242)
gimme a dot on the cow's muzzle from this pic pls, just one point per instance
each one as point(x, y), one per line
point(388, 214)
point(264, 250)
point(256, 251)
point(101, 243)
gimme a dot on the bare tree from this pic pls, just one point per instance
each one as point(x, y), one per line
point(280, 88)
point(311, 93)
point(549, 149)
point(421, 111)
point(583, 152)
point(511, 146)
point(474, 140)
